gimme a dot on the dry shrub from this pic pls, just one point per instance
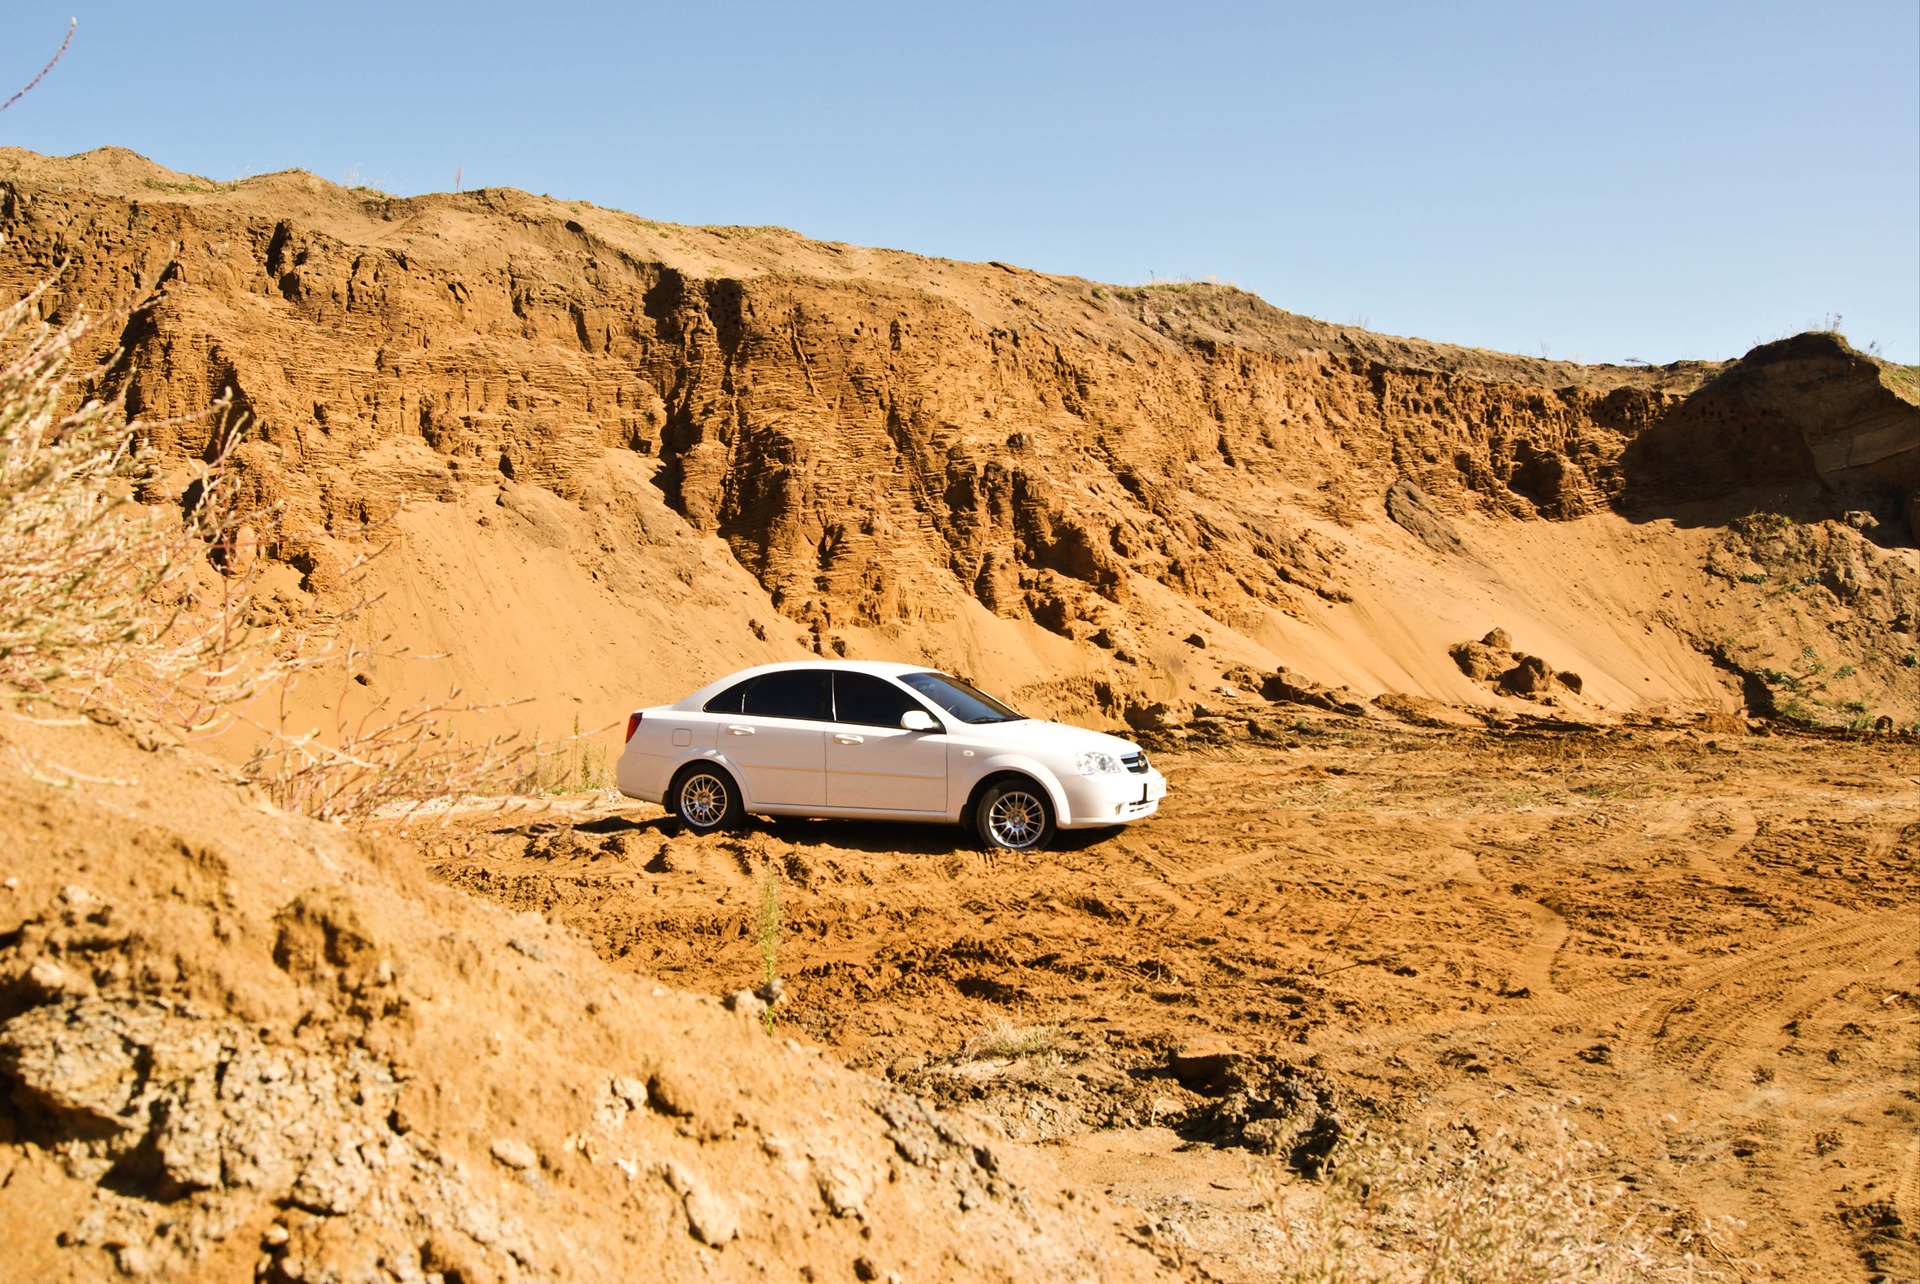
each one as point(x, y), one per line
point(383, 765)
point(1459, 1205)
point(107, 604)
point(104, 601)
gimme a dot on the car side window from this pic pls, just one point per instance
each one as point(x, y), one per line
point(729, 701)
point(869, 701)
point(790, 693)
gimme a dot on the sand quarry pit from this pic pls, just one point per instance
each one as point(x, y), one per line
point(1700, 949)
point(1542, 737)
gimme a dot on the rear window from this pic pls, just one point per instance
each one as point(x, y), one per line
point(728, 701)
point(790, 693)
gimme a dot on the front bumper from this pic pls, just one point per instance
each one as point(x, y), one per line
point(1112, 799)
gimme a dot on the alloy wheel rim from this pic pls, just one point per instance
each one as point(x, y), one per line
point(1015, 819)
point(704, 800)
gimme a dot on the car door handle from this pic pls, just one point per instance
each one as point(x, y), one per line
point(845, 739)
point(739, 731)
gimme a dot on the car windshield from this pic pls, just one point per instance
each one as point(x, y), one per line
point(959, 699)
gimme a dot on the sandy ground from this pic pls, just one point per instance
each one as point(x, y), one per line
point(1701, 950)
point(236, 1044)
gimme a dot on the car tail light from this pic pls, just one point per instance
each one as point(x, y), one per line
point(633, 724)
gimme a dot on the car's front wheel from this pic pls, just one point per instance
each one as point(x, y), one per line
point(1014, 815)
point(705, 799)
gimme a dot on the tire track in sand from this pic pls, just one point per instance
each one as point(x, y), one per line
point(1881, 842)
point(1728, 1008)
point(1906, 1188)
point(1219, 868)
point(1680, 825)
point(1533, 964)
point(1744, 826)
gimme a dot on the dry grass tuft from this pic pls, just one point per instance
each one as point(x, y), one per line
point(1001, 1040)
point(572, 765)
point(1457, 1205)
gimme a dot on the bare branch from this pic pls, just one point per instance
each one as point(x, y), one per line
point(57, 55)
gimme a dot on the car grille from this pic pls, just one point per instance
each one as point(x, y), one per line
point(1135, 762)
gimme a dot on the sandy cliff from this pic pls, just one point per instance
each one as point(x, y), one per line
point(620, 457)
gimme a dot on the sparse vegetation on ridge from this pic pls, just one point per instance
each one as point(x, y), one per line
point(574, 764)
point(382, 764)
point(1004, 1039)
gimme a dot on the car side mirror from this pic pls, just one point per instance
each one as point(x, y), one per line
point(917, 720)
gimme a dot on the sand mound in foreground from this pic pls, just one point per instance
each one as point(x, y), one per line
point(237, 1045)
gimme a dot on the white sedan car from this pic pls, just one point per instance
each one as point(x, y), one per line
point(845, 738)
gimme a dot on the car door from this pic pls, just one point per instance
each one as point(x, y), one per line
point(872, 763)
point(777, 740)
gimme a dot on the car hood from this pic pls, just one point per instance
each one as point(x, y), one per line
point(1031, 735)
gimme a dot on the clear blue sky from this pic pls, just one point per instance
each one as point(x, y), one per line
point(1604, 180)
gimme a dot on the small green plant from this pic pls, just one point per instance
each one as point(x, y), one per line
point(766, 930)
point(1796, 710)
point(1845, 671)
point(570, 766)
point(1910, 660)
point(589, 760)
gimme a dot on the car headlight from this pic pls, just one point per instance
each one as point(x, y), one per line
point(1097, 762)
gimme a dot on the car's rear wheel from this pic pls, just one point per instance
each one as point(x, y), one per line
point(705, 799)
point(1014, 815)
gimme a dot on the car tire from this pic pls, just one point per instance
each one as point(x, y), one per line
point(1014, 816)
point(705, 799)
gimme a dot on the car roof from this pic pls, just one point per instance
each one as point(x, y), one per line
point(882, 668)
point(877, 668)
